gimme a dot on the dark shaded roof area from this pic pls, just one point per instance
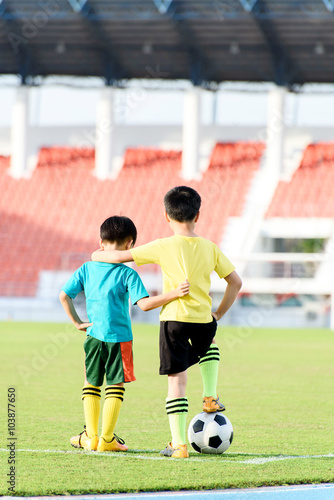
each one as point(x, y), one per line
point(206, 41)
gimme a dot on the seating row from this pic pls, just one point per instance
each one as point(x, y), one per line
point(49, 219)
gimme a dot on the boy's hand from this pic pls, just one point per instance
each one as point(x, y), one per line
point(233, 286)
point(83, 326)
point(215, 315)
point(182, 289)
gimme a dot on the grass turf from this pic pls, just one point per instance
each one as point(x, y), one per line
point(277, 386)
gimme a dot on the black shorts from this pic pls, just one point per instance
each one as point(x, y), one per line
point(182, 344)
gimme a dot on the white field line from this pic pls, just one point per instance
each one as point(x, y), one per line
point(265, 460)
point(250, 461)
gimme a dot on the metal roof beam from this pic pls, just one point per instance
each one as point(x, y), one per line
point(248, 4)
point(329, 4)
point(112, 63)
point(150, 10)
point(198, 63)
point(2, 7)
point(77, 5)
point(19, 42)
point(285, 70)
point(162, 5)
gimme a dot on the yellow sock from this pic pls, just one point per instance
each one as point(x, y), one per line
point(91, 397)
point(111, 408)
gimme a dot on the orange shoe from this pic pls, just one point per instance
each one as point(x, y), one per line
point(116, 444)
point(179, 451)
point(83, 441)
point(211, 404)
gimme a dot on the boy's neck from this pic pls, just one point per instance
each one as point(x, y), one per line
point(113, 246)
point(183, 228)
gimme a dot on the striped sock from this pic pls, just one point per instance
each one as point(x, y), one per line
point(209, 365)
point(91, 397)
point(177, 410)
point(111, 408)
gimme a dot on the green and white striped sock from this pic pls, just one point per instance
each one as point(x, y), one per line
point(209, 365)
point(177, 410)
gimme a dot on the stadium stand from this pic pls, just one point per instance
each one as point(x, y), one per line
point(51, 220)
point(310, 190)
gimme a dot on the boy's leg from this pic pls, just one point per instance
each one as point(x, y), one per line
point(177, 411)
point(91, 393)
point(174, 349)
point(111, 408)
point(88, 439)
point(205, 351)
point(209, 366)
point(91, 397)
point(119, 369)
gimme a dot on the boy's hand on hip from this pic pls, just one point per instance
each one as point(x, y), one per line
point(215, 315)
point(83, 326)
point(183, 289)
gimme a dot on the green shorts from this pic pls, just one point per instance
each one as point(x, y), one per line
point(114, 360)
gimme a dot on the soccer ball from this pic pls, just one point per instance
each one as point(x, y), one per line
point(210, 433)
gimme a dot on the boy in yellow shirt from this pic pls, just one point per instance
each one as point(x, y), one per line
point(187, 325)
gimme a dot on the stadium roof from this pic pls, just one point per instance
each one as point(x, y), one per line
point(205, 41)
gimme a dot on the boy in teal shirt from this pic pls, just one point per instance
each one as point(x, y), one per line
point(108, 344)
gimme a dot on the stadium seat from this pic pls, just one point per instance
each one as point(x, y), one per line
point(51, 221)
point(309, 192)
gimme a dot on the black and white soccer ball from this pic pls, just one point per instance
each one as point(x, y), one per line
point(210, 433)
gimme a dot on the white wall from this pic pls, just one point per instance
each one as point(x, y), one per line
point(169, 136)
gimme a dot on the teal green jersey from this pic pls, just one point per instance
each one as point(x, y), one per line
point(107, 288)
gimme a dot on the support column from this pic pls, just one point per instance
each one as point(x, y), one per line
point(104, 144)
point(20, 133)
point(191, 133)
point(275, 130)
point(331, 324)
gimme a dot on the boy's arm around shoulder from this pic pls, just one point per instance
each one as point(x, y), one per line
point(112, 256)
point(234, 284)
point(143, 254)
point(69, 308)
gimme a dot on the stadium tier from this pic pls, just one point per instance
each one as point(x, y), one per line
point(51, 220)
point(309, 193)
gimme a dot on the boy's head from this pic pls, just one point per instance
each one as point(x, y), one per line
point(182, 203)
point(118, 229)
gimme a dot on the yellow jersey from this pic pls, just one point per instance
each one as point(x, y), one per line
point(181, 258)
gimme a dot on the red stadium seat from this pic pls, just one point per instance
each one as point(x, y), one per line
point(51, 221)
point(309, 193)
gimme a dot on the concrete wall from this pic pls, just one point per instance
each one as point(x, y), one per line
point(152, 136)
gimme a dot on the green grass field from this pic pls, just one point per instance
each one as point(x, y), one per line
point(277, 385)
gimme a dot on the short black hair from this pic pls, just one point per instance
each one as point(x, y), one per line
point(118, 229)
point(182, 203)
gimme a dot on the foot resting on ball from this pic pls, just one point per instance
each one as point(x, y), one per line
point(212, 404)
